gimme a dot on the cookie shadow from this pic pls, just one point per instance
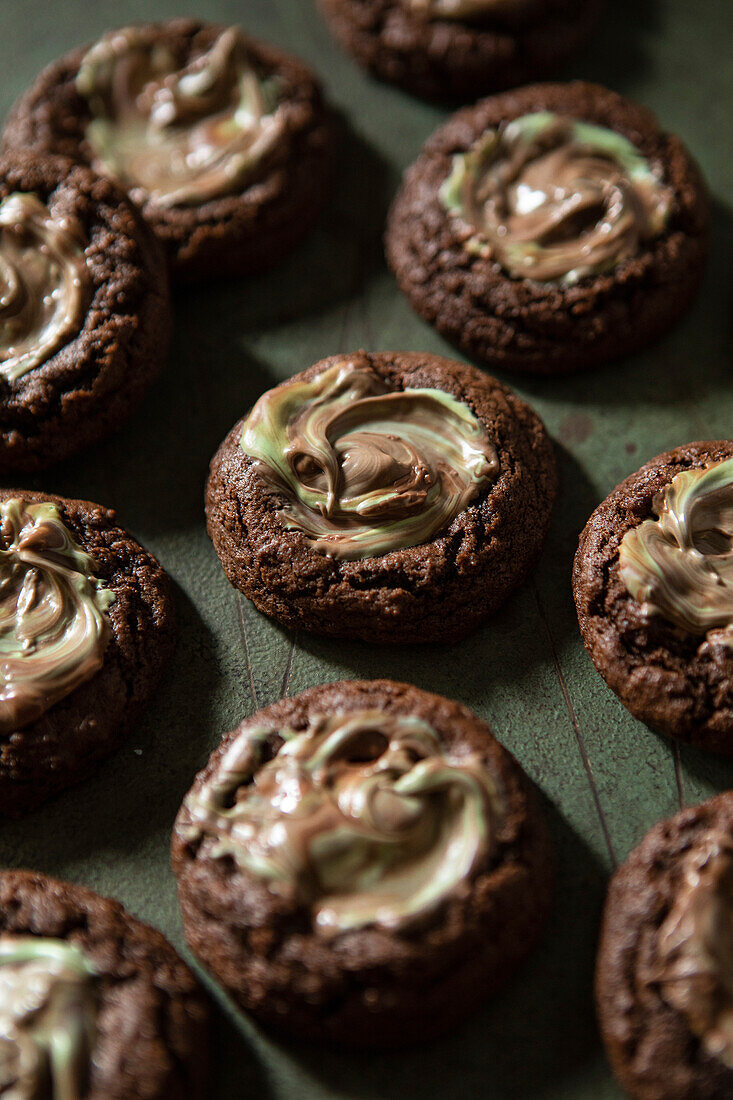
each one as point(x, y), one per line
point(329, 267)
point(710, 773)
point(536, 1033)
point(153, 471)
point(617, 52)
point(236, 1070)
point(128, 805)
point(577, 499)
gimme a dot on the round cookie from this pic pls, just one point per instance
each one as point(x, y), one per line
point(223, 141)
point(415, 541)
point(86, 625)
point(93, 1003)
point(671, 671)
point(460, 49)
point(84, 309)
point(664, 987)
point(385, 871)
point(550, 229)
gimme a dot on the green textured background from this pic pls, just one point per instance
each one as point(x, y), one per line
point(604, 776)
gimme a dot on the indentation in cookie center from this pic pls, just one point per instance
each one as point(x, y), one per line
point(363, 469)
point(554, 199)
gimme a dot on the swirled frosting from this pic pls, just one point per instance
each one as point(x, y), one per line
point(466, 9)
point(48, 1019)
point(680, 565)
point(554, 199)
point(365, 817)
point(53, 626)
point(365, 469)
point(43, 275)
point(178, 135)
point(695, 947)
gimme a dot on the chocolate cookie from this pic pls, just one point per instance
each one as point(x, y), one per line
point(84, 309)
point(550, 229)
point(461, 49)
point(394, 497)
point(362, 864)
point(223, 141)
point(93, 1003)
point(653, 585)
point(86, 624)
point(664, 982)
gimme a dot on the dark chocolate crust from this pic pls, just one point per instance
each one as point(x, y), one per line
point(371, 987)
point(152, 1021)
point(65, 743)
point(227, 236)
point(439, 590)
point(649, 1044)
point(451, 59)
point(653, 666)
point(540, 328)
point(92, 383)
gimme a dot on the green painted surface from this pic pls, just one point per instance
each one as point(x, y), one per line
point(604, 777)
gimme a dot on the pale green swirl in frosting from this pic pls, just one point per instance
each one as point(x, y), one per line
point(365, 469)
point(53, 626)
point(555, 199)
point(43, 275)
point(680, 565)
point(365, 817)
point(695, 947)
point(173, 134)
point(48, 1019)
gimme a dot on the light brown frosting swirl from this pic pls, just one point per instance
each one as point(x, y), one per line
point(365, 469)
point(53, 626)
point(695, 946)
point(43, 277)
point(680, 565)
point(365, 817)
point(554, 199)
point(48, 1019)
point(178, 135)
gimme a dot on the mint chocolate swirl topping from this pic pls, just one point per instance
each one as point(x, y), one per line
point(365, 817)
point(554, 199)
point(48, 1019)
point(694, 966)
point(43, 275)
point(178, 134)
point(53, 627)
point(680, 565)
point(365, 469)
